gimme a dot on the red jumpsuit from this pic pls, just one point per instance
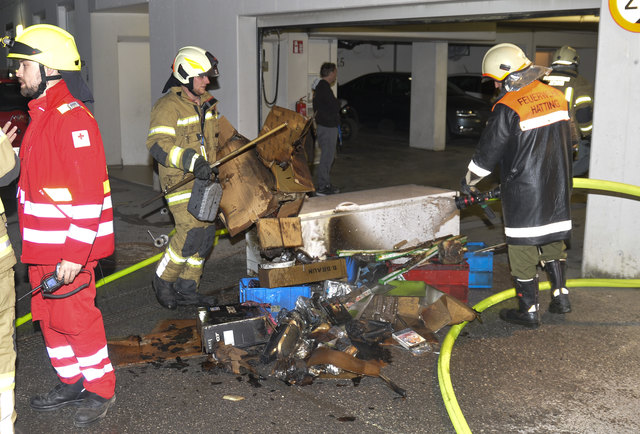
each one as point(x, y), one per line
point(65, 212)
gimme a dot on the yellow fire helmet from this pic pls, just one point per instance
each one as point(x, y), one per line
point(48, 45)
point(503, 59)
point(192, 62)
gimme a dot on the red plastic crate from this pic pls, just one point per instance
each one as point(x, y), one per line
point(450, 279)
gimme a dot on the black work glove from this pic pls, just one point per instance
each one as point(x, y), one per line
point(215, 171)
point(201, 169)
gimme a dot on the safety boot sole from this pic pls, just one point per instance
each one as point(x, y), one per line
point(52, 407)
point(514, 317)
point(81, 419)
point(559, 308)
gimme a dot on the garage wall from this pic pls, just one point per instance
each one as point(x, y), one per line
point(294, 69)
point(366, 57)
point(320, 51)
point(134, 101)
point(106, 30)
point(612, 241)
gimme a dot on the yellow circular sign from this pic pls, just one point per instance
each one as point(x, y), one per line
point(626, 13)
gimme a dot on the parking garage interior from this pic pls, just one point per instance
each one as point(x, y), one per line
point(128, 47)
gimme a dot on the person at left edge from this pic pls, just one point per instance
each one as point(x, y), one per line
point(66, 218)
point(9, 168)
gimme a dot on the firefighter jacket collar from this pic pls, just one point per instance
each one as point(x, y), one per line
point(569, 70)
point(206, 97)
point(52, 98)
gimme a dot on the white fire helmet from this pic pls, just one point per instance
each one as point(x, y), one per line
point(503, 59)
point(193, 62)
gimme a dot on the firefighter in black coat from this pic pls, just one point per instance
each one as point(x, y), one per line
point(530, 137)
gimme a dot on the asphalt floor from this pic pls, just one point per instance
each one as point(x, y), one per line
point(576, 373)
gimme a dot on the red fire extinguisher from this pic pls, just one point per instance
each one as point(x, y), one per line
point(301, 107)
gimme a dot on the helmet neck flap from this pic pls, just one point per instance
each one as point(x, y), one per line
point(519, 79)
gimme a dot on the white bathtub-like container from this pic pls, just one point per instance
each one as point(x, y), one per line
point(371, 219)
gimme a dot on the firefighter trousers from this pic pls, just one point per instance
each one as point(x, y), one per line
point(73, 331)
point(525, 259)
point(188, 248)
point(7, 351)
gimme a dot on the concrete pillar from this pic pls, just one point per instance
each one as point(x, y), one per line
point(612, 239)
point(428, 95)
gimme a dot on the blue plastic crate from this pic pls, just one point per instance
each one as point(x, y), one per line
point(480, 266)
point(283, 297)
point(352, 269)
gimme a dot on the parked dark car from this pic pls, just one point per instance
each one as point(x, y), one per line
point(475, 85)
point(385, 98)
point(13, 107)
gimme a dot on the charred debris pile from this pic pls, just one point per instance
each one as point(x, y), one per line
point(345, 327)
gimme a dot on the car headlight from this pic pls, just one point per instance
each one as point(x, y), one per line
point(466, 113)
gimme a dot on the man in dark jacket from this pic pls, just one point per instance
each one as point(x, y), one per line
point(529, 135)
point(327, 113)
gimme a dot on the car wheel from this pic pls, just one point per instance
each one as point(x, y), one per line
point(349, 129)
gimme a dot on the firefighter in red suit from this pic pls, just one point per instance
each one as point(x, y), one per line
point(66, 218)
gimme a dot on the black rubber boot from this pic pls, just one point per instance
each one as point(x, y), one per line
point(559, 293)
point(165, 293)
point(528, 313)
point(187, 295)
point(60, 396)
point(93, 408)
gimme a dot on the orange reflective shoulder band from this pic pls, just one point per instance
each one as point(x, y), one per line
point(537, 105)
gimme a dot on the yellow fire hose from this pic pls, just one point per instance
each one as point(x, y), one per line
point(444, 377)
point(128, 270)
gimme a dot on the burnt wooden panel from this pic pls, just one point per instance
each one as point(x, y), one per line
point(168, 340)
point(247, 184)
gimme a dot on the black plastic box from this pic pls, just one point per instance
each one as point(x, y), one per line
point(237, 325)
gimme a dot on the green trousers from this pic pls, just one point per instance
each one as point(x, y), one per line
point(524, 260)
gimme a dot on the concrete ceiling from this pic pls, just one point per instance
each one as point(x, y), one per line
point(452, 28)
point(140, 8)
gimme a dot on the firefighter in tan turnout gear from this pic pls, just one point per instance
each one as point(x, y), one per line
point(183, 139)
point(579, 94)
point(9, 168)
